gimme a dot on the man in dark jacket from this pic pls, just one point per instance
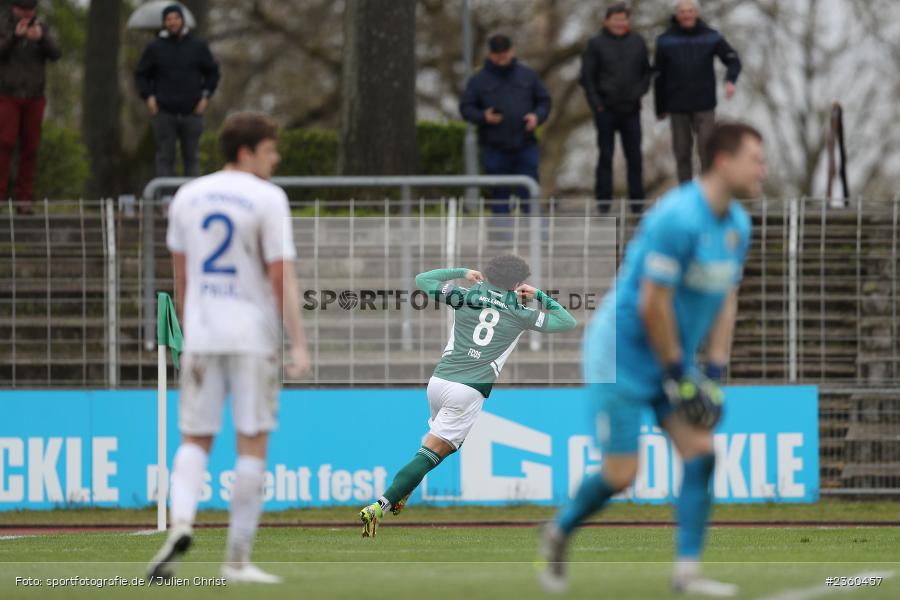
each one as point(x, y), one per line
point(685, 86)
point(176, 77)
point(25, 47)
point(615, 74)
point(507, 101)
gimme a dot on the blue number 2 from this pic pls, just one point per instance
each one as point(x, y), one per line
point(209, 265)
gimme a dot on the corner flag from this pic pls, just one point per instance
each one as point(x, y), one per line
point(168, 332)
point(168, 335)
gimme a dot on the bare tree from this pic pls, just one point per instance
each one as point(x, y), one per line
point(809, 54)
point(286, 58)
point(200, 10)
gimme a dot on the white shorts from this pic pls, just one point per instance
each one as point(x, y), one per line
point(454, 409)
point(252, 381)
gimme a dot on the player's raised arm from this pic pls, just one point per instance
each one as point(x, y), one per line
point(436, 284)
point(556, 320)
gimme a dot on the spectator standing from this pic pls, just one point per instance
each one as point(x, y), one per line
point(685, 86)
point(507, 101)
point(25, 47)
point(615, 75)
point(176, 76)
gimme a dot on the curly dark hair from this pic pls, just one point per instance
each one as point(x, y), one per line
point(506, 271)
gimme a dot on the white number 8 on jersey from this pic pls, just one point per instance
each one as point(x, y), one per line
point(484, 331)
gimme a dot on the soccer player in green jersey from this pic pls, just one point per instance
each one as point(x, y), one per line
point(489, 318)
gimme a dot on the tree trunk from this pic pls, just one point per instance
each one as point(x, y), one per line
point(101, 99)
point(200, 10)
point(378, 104)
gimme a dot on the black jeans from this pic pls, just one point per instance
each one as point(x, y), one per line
point(629, 127)
point(170, 128)
point(518, 161)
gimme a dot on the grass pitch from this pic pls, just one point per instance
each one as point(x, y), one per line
point(471, 562)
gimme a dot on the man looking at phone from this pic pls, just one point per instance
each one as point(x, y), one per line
point(25, 48)
point(507, 101)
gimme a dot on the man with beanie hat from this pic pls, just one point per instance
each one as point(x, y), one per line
point(25, 47)
point(176, 77)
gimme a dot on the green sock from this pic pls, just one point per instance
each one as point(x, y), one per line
point(409, 477)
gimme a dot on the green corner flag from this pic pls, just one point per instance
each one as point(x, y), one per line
point(168, 333)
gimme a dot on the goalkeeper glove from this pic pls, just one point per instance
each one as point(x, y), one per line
point(698, 399)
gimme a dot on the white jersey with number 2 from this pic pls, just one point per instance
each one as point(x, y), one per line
point(230, 225)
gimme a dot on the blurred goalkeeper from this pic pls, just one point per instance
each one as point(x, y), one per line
point(676, 288)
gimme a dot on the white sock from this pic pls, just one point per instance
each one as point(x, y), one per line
point(385, 504)
point(246, 506)
point(685, 568)
point(187, 483)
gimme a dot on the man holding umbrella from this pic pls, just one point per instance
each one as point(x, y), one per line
point(176, 76)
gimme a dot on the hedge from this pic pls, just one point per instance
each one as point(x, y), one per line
point(63, 165)
point(315, 152)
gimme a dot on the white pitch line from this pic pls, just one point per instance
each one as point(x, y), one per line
point(820, 590)
point(145, 532)
point(11, 537)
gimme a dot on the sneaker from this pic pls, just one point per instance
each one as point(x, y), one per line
point(686, 579)
point(176, 545)
point(701, 586)
point(396, 508)
point(370, 516)
point(552, 569)
point(248, 573)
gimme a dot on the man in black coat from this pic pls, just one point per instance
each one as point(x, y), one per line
point(176, 77)
point(685, 87)
point(507, 101)
point(615, 74)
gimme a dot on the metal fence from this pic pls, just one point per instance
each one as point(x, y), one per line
point(818, 304)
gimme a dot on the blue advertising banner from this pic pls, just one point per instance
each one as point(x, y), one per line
point(335, 447)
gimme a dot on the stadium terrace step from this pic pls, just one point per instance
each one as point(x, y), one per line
point(58, 288)
point(890, 470)
point(873, 432)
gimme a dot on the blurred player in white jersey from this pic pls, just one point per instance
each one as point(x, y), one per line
point(231, 241)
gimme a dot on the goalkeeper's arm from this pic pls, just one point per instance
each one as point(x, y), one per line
point(657, 313)
point(558, 318)
point(718, 346)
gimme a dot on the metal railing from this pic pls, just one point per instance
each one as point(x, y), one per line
point(818, 303)
point(405, 183)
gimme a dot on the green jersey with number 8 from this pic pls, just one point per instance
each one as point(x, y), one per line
point(487, 324)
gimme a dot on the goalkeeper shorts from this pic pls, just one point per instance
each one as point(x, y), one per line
point(620, 413)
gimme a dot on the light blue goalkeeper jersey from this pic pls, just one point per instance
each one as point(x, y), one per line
point(682, 244)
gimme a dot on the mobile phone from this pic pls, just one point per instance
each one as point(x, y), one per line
point(32, 21)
